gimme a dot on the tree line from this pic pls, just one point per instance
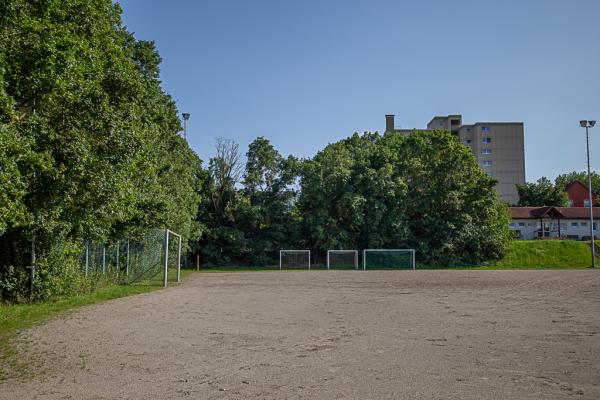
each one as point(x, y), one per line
point(423, 191)
point(89, 143)
point(90, 150)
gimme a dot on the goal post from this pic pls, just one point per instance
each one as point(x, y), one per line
point(342, 259)
point(169, 248)
point(389, 259)
point(294, 259)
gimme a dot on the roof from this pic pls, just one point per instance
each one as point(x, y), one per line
point(578, 183)
point(444, 117)
point(553, 212)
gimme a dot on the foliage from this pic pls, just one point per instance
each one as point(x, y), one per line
point(422, 191)
point(542, 193)
point(90, 146)
point(247, 225)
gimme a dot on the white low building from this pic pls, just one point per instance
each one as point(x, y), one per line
point(553, 222)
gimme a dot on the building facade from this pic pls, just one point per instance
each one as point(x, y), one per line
point(553, 222)
point(578, 195)
point(498, 147)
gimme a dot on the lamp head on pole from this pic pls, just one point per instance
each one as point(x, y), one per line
point(185, 116)
point(587, 124)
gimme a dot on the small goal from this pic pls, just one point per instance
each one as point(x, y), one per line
point(389, 259)
point(294, 259)
point(342, 259)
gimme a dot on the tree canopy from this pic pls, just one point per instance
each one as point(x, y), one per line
point(89, 140)
point(542, 193)
point(423, 191)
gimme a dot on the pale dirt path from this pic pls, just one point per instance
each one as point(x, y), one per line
point(331, 335)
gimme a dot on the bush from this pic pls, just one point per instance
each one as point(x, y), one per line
point(58, 274)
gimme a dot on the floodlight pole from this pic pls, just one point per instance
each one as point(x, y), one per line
point(590, 124)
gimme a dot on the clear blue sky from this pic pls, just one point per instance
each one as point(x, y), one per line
point(307, 73)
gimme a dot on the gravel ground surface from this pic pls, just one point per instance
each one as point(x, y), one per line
point(329, 335)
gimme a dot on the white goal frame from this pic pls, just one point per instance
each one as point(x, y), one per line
point(355, 252)
point(166, 271)
point(388, 250)
point(293, 251)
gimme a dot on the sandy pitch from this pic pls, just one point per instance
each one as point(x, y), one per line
point(330, 335)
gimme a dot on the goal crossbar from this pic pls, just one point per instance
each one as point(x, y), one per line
point(411, 251)
point(354, 252)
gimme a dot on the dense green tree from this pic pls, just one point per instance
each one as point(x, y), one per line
point(250, 223)
point(90, 141)
point(267, 216)
point(422, 191)
point(542, 193)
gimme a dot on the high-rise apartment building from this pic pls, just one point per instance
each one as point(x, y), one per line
point(498, 147)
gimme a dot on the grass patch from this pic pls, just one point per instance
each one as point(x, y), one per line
point(546, 254)
point(14, 318)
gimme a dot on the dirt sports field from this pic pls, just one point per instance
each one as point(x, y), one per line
point(330, 335)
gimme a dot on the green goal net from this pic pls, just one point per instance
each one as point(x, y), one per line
point(388, 259)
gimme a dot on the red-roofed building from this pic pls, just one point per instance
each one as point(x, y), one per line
point(553, 222)
point(578, 195)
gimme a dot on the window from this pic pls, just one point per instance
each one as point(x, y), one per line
point(586, 203)
point(583, 224)
point(486, 151)
point(512, 224)
point(574, 224)
point(521, 223)
point(594, 226)
point(468, 129)
point(486, 140)
point(487, 163)
point(570, 203)
point(468, 141)
point(485, 129)
point(454, 122)
point(530, 224)
point(441, 123)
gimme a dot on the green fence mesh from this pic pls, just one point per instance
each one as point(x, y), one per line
point(133, 260)
point(388, 259)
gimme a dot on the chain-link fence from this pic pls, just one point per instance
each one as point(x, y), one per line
point(154, 258)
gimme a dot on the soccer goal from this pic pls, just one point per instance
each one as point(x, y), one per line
point(294, 259)
point(342, 259)
point(172, 257)
point(389, 259)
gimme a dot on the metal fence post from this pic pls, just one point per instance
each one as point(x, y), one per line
point(87, 257)
point(118, 244)
point(127, 264)
point(103, 259)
